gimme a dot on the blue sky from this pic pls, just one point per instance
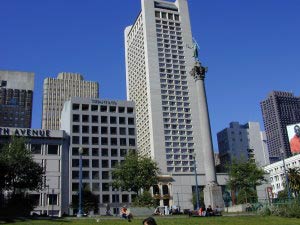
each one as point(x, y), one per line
point(250, 47)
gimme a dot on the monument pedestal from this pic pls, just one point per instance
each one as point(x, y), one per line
point(213, 196)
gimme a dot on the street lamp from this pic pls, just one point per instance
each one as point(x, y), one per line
point(286, 175)
point(79, 213)
point(196, 181)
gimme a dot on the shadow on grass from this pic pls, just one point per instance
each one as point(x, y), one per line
point(15, 220)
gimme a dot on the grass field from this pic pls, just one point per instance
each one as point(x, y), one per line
point(224, 220)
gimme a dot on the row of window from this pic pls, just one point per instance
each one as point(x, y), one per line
point(102, 108)
point(86, 140)
point(104, 152)
point(95, 163)
point(103, 119)
point(103, 130)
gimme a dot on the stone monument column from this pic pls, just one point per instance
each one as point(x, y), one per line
point(212, 191)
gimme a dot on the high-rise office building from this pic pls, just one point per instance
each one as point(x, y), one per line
point(16, 96)
point(60, 89)
point(242, 142)
point(105, 131)
point(279, 109)
point(159, 51)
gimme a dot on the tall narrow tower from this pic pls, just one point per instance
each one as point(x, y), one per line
point(159, 57)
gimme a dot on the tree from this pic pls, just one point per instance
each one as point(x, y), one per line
point(244, 176)
point(294, 180)
point(135, 173)
point(89, 201)
point(20, 172)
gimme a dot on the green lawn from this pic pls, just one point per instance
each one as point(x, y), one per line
point(224, 220)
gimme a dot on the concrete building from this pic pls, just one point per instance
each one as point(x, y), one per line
point(159, 53)
point(242, 142)
point(106, 131)
point(60, 89)
point(50, 149)
point(279, 109)
point(16, 96)
point(276, 172)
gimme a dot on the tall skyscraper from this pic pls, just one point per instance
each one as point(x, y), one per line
point(61, 89)
point(159, 57)
point(242, 142)
point(16, 96)
point(279, 109)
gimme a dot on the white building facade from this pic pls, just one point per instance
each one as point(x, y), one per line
point(277, 175)
point(60, 89)
point(106, 131)
point(159, 56)
point(50, 150)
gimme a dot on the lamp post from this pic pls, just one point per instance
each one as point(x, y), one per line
point(79, 213)
point(48, 200)
point(52, 198)
point(196, 181)
point(286, 175)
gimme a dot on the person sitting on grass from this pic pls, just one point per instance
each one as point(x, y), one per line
point(125, 213)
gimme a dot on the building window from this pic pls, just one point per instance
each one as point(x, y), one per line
point(105, 164)
point(103, 108)
point(104, 130)
point(75, 128)
point(121, 120)
point(130, 110)
point(95, 140)
point(95, 186)
point(36, 148)
point(85, 118)
point(123, 141)
point(105, 199)
point(105, 175)
point(113, 120)
point(52, 149)
point(130, 121)
point(114, 141)
point(75, 140)
point(123, 152)
point(104, 141)
point(105, 186)
point(113, 130)
point(104, 152)
point(85, 107)
point(75, 107)
point(94, 107)
point(85, 129)
point(114, 152)
point(85, 163)
point(131, 131)
point(103, 119)
point(85, 140)
point(122, 130)
point(94, 119)
point(95, 152)
point(112, 109)
point(95, 130)
point(95, 175)
point(131, 142)
point(121, 109)
point(95, 163)
point(75, 118)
